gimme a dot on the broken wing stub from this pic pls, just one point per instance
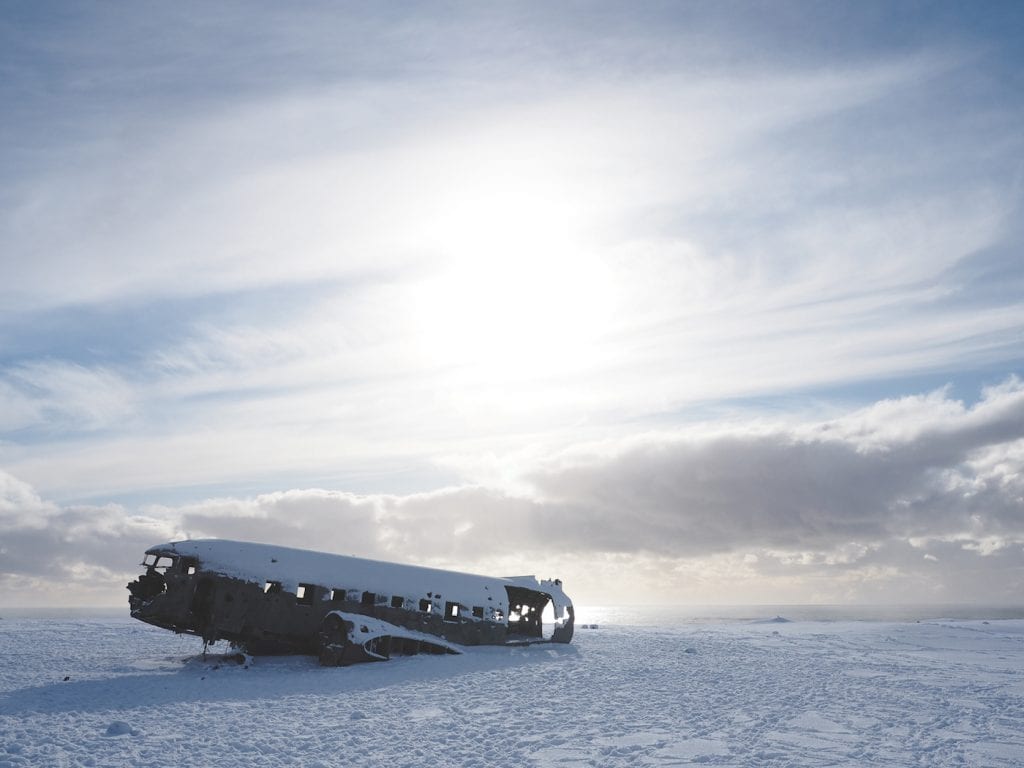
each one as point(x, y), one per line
point(349, 638)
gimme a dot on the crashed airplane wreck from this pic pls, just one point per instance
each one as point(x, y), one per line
point(275, 600)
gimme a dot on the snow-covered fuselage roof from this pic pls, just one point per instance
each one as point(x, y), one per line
point(260, 563)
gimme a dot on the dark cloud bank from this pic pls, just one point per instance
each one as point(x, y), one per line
point(921, 489)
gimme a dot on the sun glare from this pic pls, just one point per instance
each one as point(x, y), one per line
point(517, 295)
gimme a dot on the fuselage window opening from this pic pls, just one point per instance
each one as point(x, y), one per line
point(369, 598)
point(163, 563)
point(189, 566)
point(451, 611)
point(426, 606)
point(304, 594)
point(525, 611)
point(478, 612)
point(397, 601)
point(271, 587)
point(548, 617)
point(338, 595)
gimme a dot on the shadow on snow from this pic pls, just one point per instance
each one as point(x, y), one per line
point(219, 678)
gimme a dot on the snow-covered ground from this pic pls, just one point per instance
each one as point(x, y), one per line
point(114, 692)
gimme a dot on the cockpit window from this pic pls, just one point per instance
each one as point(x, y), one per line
point(158, 562)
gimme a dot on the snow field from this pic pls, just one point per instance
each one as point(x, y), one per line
point(727, 694)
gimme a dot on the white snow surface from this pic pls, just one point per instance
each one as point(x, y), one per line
point(935, 693)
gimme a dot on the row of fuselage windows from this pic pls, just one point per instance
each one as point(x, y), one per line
point(305, 593)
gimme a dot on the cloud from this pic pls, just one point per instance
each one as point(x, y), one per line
point(20, 503)
point(871, 501)
point(61, 396)
point(921, 465)
point(52, 555)
point(338, 174)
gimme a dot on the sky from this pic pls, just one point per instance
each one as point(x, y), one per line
point(683, 303)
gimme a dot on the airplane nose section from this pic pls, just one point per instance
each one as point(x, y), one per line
point(144, 589)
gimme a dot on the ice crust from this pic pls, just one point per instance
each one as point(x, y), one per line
point(935, 693)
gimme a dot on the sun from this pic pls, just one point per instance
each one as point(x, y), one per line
point(518, 292)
